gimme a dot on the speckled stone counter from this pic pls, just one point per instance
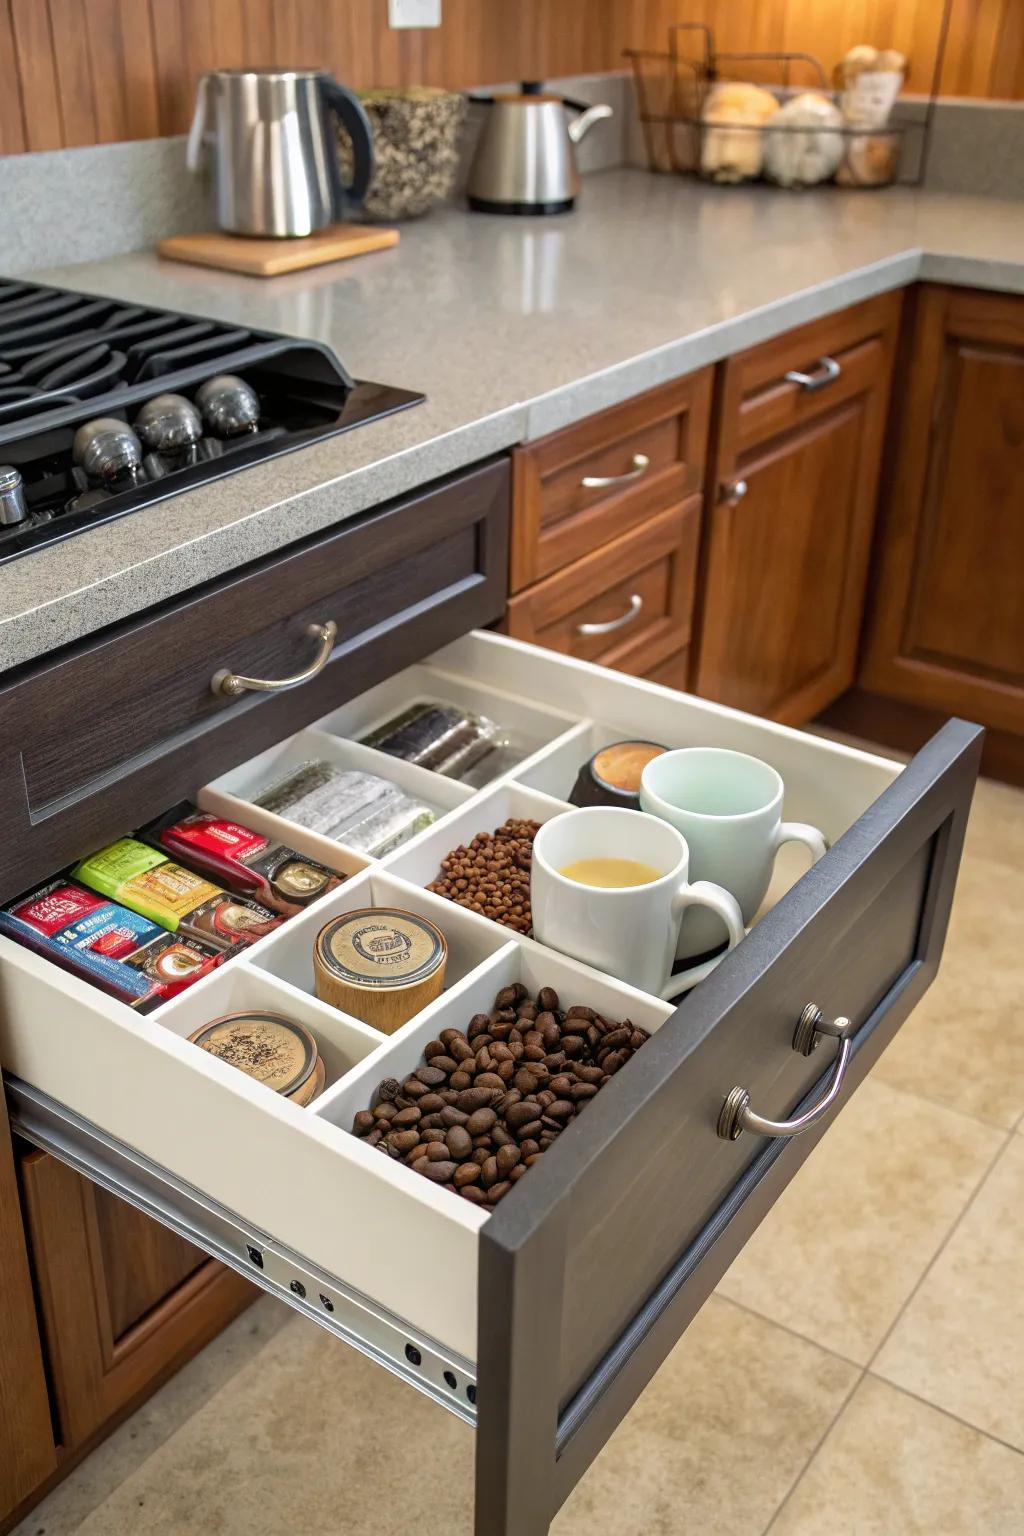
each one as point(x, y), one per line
point(512, 328)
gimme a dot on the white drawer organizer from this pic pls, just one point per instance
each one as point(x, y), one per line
point(359, 1242)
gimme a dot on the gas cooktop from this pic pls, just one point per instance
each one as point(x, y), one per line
point(107, 407)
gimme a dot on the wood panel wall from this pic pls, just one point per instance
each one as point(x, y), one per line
point(984, 52)
point(92, 71)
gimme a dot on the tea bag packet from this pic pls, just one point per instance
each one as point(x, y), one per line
point(176, 898)
point(120, 951)
point(437, 736)
point(367, 813)
point(247, 862)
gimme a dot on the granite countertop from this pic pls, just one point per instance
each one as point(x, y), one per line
point(512, 328)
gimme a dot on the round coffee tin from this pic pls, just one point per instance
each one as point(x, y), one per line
point(380, 964)
point(267, 1046)
point(612, 775)
point(312, 1087)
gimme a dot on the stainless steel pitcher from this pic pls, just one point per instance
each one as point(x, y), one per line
point(274, 146)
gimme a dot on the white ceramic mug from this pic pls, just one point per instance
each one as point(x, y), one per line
point(728, 806)
point(629, 931)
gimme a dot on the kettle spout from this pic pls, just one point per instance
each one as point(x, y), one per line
point(586, 120)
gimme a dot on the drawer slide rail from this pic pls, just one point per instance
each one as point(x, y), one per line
point(446, 1378)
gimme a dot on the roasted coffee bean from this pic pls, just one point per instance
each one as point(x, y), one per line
point(593, 1037)
point(574, 1029)
point(533, 1053)
point(430, 1121)
point(460, 1143)
point(500, 1136)
point(561, 1109)
point(587, 1073)
point(532, 1128)
point(374, 1138)
point(478, 1024)
point(509, 996)
point(489, 1172)
point(460, 1081)
point(389, 1088)
point(403, 1141)
point(500, 1031)
point(452, 1116)
point(555, 1061)
point(616, 1037)
point(430, 1103)
point(548, 1139)
point(484, 1142)
point(549, 1124)
point(498, 1191)
point(573, 1045)
point(433, 1048)
point(474, 1098)
point(408, 1116)
point(546, 1097)
point(506, 1071)
point(460, 1048)
point(525, 1080)
point(520, 1114)
point(480, 1155)
point(580, 1091)
point(527, 1011)
point(420, 1164)
point(445, 1064)
point(517, 1048)
point(489, 1080)
point(431, 1132)
point(447, 1095)
point(534, 1157)
point(550, 1032)
point(387, 1110)
point(481, 1121)
point(467, 1173)
point(505, 1015)
point(529, 1147)
point(517, 1172)
point(506, 1158)
point(412, 1089)
point(363, 1122)
point(638, 1038)
point(448, 1038)
point(440, 1173)
point(579, 1011)
point(484, 1059)
point(473, 1193)
point(437, 1151)
point(432, 1076)
point(560, 1086)
point(613, 1061)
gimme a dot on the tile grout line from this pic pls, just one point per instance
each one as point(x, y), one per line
point(952, 1109)
point(955, 1226)
point(833, 1421)
point(787, 1328)
point(926, 1402)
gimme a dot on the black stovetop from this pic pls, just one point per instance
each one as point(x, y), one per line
point(67, 359)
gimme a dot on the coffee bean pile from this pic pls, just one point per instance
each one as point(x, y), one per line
point(492, 875)
point(488, 1102)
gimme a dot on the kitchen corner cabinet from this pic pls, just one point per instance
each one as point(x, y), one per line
point(946, 624)
point(796, 454)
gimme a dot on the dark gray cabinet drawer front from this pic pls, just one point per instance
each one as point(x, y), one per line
point(111, 732)
point(622, 1232)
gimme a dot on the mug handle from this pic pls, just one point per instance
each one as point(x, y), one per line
point(800, 832)
point(703, 893)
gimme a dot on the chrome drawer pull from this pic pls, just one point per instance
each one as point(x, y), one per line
point(737, 1116)
point(734, 493)
point(233, 683)
point(828, 371)
point(636, 603)
point(641, 464)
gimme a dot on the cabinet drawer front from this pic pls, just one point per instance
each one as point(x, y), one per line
point(148, 728)
point(627, 1221)
point(628, 605)
point(640, 457)
point(838, 358)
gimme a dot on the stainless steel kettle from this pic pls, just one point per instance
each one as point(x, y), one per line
point(525, 160)
point(275, 152)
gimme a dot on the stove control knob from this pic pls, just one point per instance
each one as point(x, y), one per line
point(107, 449)
point(13, 508)
point(229, 405)
point(169, 424)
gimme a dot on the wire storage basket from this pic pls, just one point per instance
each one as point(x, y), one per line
point(741, 117)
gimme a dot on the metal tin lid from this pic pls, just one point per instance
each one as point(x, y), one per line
point(380, 947)
point(306, 1092)
point(269, 1047)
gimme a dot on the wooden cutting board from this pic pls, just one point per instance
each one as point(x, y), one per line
point(269, 258)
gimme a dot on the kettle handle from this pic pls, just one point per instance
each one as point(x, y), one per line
point(589, 115)
point(198, 131)
point(351, 113)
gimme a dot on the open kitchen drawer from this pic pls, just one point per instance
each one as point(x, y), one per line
point(542, 1320)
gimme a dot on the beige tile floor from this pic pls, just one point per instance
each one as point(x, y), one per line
point(871, 1336)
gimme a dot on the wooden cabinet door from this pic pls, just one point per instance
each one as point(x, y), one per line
point(27, 1452)
point(946, 626)
point(124, 1301)
point(790, 514)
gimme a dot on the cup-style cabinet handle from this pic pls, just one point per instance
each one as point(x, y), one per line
point(233, 683)
point(641, 464)
point(827, 371)
point(634, 610)
point(736, 1115)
